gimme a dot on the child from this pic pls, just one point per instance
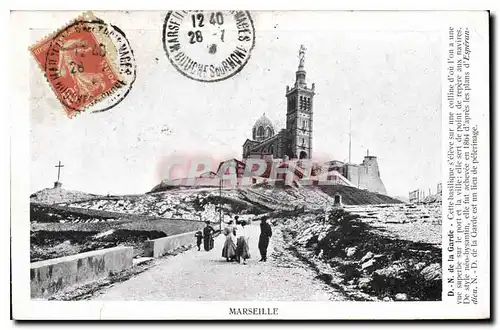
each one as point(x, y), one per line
point(199, 238)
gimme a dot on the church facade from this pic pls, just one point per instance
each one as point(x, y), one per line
point(295, 141)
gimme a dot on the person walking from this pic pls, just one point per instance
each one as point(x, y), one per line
point(208, 239)
point(265, 235)
point(229, 248)
point(199, 238)
point(242, 248)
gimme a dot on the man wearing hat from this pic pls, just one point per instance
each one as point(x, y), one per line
point(265, 234)
point(208, 239)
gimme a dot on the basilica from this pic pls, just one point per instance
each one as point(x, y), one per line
point(295, 141)
point(291, 143)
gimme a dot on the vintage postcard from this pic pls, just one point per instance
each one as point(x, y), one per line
point(245, 164)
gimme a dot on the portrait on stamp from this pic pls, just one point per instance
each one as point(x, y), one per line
point(88, 64)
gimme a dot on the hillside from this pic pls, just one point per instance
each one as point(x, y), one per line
point(355, 196)
point(382, 252)
point(57, 231)
point(59, 195)
point(201, 203)
point(67, 222)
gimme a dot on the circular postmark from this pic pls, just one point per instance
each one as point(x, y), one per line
point(90, 66)
point(208, 46)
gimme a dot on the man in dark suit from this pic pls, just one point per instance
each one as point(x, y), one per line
point(265, 234)
point(208, 240)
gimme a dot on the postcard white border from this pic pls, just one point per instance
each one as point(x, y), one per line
point(24, 308)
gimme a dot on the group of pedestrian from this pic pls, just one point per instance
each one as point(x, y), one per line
point(207, 236)
point(236, 244)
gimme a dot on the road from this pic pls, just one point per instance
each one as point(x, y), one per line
point(206, 276)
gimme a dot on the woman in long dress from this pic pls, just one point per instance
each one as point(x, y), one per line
point(242, 248)
point(229, 249)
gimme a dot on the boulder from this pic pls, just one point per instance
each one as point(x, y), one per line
point(432, 272)
point(366, 257)
point(393, 271)
point(420, 266)
point(351, 251)
point(322, 234)
point(364, 283)
point(370, 265)
point(401, 297)
point(349, 269)
point(396, 218)
point(327, 278)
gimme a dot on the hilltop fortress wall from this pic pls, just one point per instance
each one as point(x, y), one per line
point(364, 176)
point(369, 176)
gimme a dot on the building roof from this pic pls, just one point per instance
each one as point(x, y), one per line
point(263, 121)
point(252, 142)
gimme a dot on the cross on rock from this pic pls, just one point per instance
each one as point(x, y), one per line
point(59, 170)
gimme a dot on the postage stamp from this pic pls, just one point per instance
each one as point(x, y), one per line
point(88, 64)
point(208, 46)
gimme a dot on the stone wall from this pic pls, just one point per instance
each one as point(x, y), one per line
point(161, 246)
point(51, 276)
point(366, 175)
point(369, 176)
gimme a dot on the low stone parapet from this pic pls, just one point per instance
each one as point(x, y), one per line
point(161, 246)
point(51, 276)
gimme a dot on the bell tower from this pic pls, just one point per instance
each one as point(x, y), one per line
point(299, 113)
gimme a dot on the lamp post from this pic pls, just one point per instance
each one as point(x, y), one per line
point(220, 204)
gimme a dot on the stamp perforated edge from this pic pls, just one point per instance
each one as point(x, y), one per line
point(87, 16)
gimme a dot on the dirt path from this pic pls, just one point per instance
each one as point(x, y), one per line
point(201, 275)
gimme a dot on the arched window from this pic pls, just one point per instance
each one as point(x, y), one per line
point(269, 132)
point(253, 133)
point(260, 131)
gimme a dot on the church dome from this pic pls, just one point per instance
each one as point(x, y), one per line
point(263, 128)
point(263, 121)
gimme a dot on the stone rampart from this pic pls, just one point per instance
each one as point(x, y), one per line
point(51, 276)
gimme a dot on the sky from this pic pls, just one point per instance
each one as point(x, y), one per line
point(388, 76)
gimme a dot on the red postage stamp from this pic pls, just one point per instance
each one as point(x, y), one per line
point(88, 64)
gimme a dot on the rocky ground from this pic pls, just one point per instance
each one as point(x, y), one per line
point(315, 256)
point(371, 253)
point(360, 252)
point(58, 195)
point(67, 222)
